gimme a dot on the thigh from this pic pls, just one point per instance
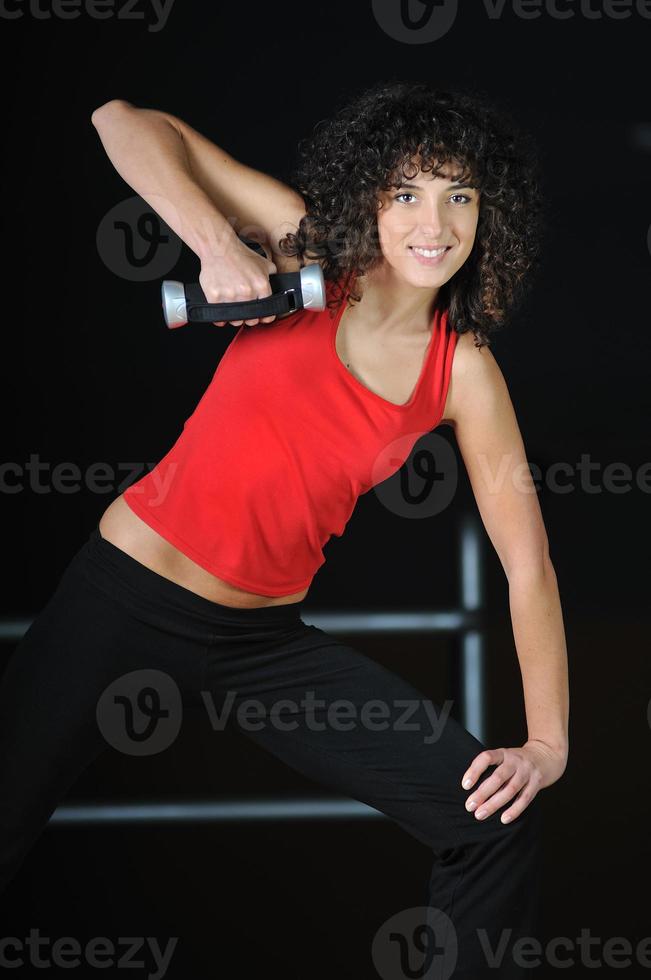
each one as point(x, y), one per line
point(334, 714)
point(79, 646)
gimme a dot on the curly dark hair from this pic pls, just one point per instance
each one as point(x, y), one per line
point(372, 143)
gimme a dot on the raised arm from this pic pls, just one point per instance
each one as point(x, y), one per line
point(148, 152)
point(204, 195)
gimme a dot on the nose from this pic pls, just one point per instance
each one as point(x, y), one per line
point(432, 221)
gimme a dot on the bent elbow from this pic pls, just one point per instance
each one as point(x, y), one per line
point(107, 107)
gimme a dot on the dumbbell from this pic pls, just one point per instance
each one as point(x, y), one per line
point(290, 292)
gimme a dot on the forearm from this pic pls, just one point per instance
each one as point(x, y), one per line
point(539, 635)
point(148, 152)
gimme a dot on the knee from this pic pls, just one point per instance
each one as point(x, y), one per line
point(523, 834)
point(531, 817)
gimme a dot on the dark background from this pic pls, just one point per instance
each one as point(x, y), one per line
point(91, 374)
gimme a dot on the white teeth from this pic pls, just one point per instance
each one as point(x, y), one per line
point(427, 252)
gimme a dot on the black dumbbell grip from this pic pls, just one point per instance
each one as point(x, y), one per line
point(277, 304)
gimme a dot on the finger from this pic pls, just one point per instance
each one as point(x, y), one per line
point(521, 803)
point(489, 757)
point(508, 792)
point(489, 786)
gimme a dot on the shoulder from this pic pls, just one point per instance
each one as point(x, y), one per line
point(476, 381)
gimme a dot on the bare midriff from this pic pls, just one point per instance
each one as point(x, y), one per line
point(124, 529)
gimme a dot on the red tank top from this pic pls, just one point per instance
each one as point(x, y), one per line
point(279, 448)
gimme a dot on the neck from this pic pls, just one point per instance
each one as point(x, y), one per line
point(391, 305)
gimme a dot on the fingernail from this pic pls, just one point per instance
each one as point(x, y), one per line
point(471, 804)
point(467, 783)
point(480, 814)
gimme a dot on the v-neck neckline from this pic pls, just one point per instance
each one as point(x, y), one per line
point(427, 357)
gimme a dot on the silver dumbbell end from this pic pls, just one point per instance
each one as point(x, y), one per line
point(174, 304)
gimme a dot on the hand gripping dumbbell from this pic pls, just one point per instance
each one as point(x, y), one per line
point(290, 292)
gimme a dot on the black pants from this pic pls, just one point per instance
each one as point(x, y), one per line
point(117, 652)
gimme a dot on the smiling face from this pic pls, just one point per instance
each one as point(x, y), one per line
point(431, 213)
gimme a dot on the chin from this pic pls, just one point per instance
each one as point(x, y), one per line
point(426, 278)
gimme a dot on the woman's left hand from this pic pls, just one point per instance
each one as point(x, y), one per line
point(520, 772)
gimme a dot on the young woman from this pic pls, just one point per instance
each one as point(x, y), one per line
point(422, 208)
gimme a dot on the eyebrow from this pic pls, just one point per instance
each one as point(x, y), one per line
point(415, 187)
